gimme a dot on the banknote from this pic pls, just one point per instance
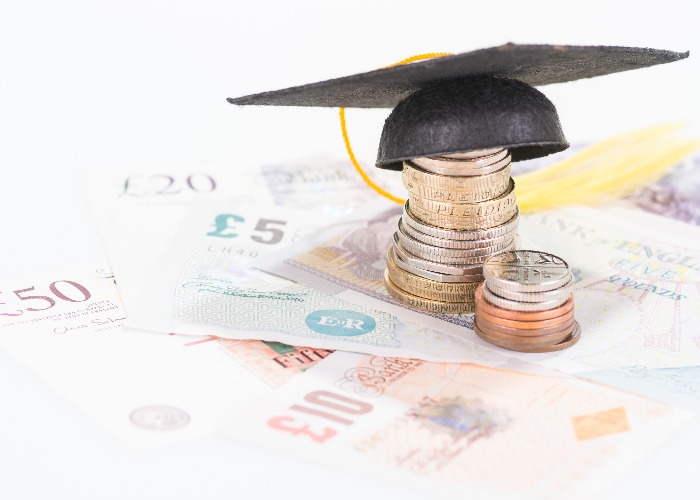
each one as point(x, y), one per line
point(61, 302)
point(452, 430)
point(329, 186)
point(676, 196)
point(147, 389)
point(674, 386)
point(153, 215)
point(347, 260)
point(636, 295)
point(139, 209)
point(205, 285)
point(652, 267)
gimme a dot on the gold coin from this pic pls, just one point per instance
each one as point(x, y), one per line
point(461, 223)
point(433, 275)
point(409, 230)
point(428, 294)
point(462, 189)
point(427, 288)
point(462, 166)
point(451, 255)
point(427, 265)
point(489, 208)
point(421, 304)
point(509, 226)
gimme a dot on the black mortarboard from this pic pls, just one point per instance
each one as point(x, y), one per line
point(475, 100)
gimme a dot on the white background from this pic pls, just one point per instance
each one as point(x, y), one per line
point(96, 85)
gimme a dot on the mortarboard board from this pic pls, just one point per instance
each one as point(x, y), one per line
point(474, 100)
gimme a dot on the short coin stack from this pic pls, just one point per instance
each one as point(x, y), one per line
point(525, 303)
point(460, 210)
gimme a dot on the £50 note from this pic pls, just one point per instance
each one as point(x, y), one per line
point(147, 389)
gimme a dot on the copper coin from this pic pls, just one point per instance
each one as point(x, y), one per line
point(545, 339)
point(530, 342)
point(522, 315)
point(567, 342)
point(522, 325)
point(521, 305)
point(518, 332)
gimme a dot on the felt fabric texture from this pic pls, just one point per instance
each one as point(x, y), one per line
point(471, 113)
point(532, 64)
point(475, 100)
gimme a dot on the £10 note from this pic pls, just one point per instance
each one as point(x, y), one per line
point(444, 429)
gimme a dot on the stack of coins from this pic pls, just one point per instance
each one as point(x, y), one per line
point(460, 210)
point(525, 303)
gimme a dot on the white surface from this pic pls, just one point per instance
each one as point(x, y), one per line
point(97, 84)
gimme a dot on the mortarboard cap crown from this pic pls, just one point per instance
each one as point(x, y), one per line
point(474, 100)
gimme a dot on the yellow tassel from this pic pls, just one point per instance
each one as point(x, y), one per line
point(607, 170)
point(357, 165)
point(344, 130)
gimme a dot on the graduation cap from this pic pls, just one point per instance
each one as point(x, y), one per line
point(475, 100)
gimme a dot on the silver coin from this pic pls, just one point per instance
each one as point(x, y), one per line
point(435, 276)
point(443, 259)
point(455, 234)
point(477, 157)
point(541, 296)
point(430, 289)
point(469, 223)
point(437, 267)
point(474, 153)
point(457, 168)
point(445, 243)
point(527, 271)
point(424, 249)
point(514, 305)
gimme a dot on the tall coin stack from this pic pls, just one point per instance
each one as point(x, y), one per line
point(460, 210)
point(525, 303)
